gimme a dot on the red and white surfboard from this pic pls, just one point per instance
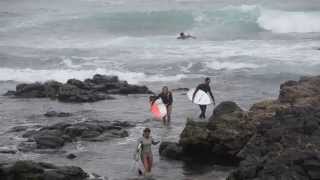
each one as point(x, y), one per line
point(158, 109)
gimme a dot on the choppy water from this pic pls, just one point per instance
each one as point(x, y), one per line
point(247, 47)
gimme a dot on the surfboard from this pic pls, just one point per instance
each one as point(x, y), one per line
point(158, 109)
point(201, 97)
point(138, 152)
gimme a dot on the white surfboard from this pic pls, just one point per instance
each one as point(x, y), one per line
point(201, 97)
point(158, 109)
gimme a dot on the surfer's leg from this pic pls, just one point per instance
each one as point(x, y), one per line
point(150, 158)
point(169, 110)
point(203, 111)
point(145, 163)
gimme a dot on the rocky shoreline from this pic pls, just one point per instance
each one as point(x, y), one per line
point(57, 135)
point(275, 139)
point(100, 87)
point(29, 170)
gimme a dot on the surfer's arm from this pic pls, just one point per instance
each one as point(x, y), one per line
point(155, 142)
point(195, 92)
point(211, 95)
point(154, 99)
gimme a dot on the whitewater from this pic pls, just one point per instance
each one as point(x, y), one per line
point(247, 48)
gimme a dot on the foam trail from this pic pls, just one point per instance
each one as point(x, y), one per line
point(289, 22)
point(31, 75)
point(230, 65)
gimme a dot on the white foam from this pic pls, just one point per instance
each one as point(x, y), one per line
point(289, 22)
point(230, 65)
point(62, 75)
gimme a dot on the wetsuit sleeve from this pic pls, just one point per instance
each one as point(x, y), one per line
point(197, 89)
point(155, 142)
point(155, 98)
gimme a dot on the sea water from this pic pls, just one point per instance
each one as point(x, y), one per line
point(247, 48)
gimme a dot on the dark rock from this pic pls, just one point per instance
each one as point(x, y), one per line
point(227, 131)
point(29, 170)
point(226, 107)
point(57, 114)
point(305, 92)
point(49, 141)
point(102, 79)
point(51, 89)
point(71, 156)
point(76, 91)
point(171, 150)
point(10, 93)
point(7, 151)
point(180, 89)
point(18, 128)
point(35, 90)
point(287, 148)
point(134, 89)
point(55, 136)
point(78, 84)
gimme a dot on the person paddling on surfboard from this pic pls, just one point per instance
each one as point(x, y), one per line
point(145, 143)
point(206, 88)
point(166, 97)
point(185, 36)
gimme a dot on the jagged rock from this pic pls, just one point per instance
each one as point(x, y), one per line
point(90, 90)
point(10, 93)
point(227, 131)
point(71, 156)
point(57, 114)
point(171, 150)
point(29, 170)
point(285, 147)
point(305, 92)
point(101, 79)
point(55, 136)
point(18, 129)
point(30, 90)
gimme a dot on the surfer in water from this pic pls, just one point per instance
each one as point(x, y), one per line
point(166, 97)
point(145, 142)
point(206, 88)
point(185, 36)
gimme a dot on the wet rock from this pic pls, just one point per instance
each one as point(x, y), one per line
point(27, 146)
point(10, 93)
point(305, 92)
point(35, 90)
point(180, 89)
point(23, 170)
point(55, 136)
point(171, 150)
point(5, 150)
point(224, 135)
point(101, 79)
point(76, 91)
point(57, 114)
point(18, 128)
point(282, 147)
point(71, 156)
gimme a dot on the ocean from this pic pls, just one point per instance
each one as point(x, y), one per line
point(247, 47)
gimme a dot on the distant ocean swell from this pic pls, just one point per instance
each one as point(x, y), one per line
point(245, 18)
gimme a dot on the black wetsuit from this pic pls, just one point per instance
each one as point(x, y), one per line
point(206, 88)
point(166, 98)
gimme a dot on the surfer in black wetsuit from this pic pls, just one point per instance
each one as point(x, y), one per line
point(185, 36)
point(166, 97)
point(206, 88)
